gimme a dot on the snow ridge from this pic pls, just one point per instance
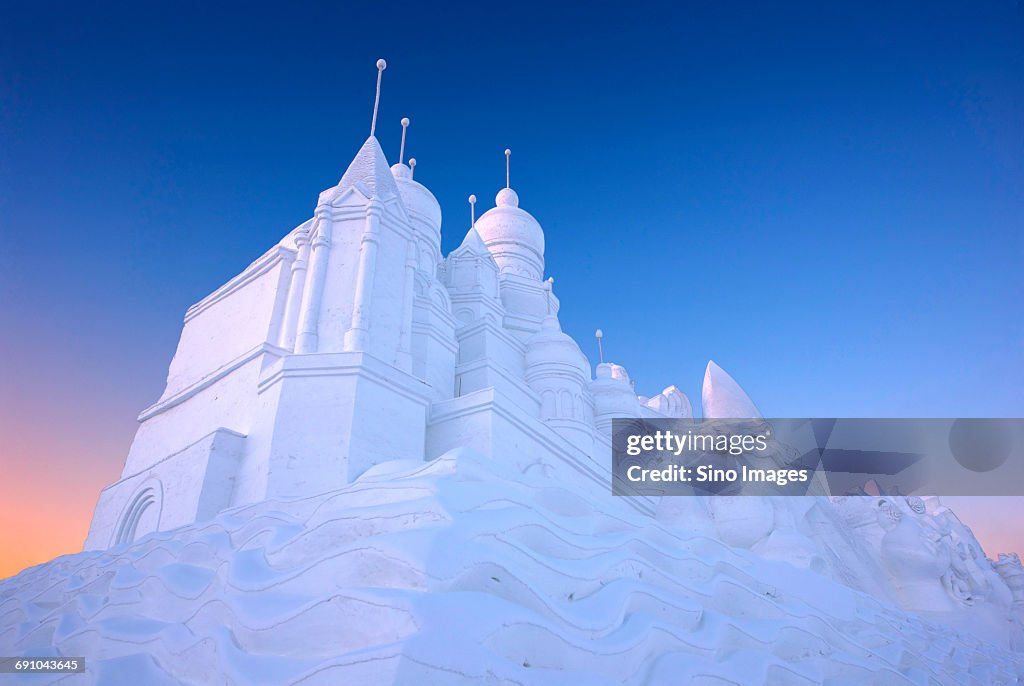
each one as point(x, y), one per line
point(458, 571)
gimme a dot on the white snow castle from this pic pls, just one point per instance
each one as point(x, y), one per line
point(353, 341)
point(376, 465)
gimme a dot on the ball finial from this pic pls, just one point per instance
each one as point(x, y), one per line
point(506, 197)
point(412, 161)
point(472, 199)
point(405, 128)
point(599, 333)
point(376, 98)
point(508, 152)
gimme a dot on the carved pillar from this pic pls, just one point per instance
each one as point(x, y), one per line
point(358, 336)
point(404, 357)
point(295, 288)
point(309, 317)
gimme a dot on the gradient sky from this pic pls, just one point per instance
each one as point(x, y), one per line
point(827, 200)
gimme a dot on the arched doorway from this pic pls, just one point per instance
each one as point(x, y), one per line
point(142, 516)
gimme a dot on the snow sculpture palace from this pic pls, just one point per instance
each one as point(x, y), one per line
point(352, 342)
point(374, 464)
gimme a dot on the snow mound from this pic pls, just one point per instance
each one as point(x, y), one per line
point(453, 572)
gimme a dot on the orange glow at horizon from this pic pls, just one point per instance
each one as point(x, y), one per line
point(46, 511)
point(46, 514)
point(55, 457)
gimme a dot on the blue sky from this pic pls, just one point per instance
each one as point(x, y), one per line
point(825, 200)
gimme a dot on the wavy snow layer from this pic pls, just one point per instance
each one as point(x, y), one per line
point(451, 572)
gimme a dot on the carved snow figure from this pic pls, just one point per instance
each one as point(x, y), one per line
point(971, 578)
point(671, 402)
point(1008, 566)
point(913, 555)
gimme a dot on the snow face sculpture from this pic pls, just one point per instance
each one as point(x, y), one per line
point(918, 564)
point(930, 560)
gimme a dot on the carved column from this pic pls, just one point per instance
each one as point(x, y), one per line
point(309, 317)
point(358, 336)
point(404, 357)
point(295, 288)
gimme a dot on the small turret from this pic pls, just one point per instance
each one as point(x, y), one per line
point(512, 235)
point(614, 397)
point(470, 268)
point(559, 372)
point(422, 207)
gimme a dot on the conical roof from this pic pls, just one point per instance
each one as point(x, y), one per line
point(369, 173)
point(473, 243)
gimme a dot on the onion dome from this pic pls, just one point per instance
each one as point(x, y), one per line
point(419, 202)
point(550, 346)
point(514, 237)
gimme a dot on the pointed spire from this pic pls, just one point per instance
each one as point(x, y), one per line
point(381, 66)
point(412, 167)
point(401, 150)
point(547, 295)
point(723, 398)
point(506, 196)
point(369, 173)
point(473, 243)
